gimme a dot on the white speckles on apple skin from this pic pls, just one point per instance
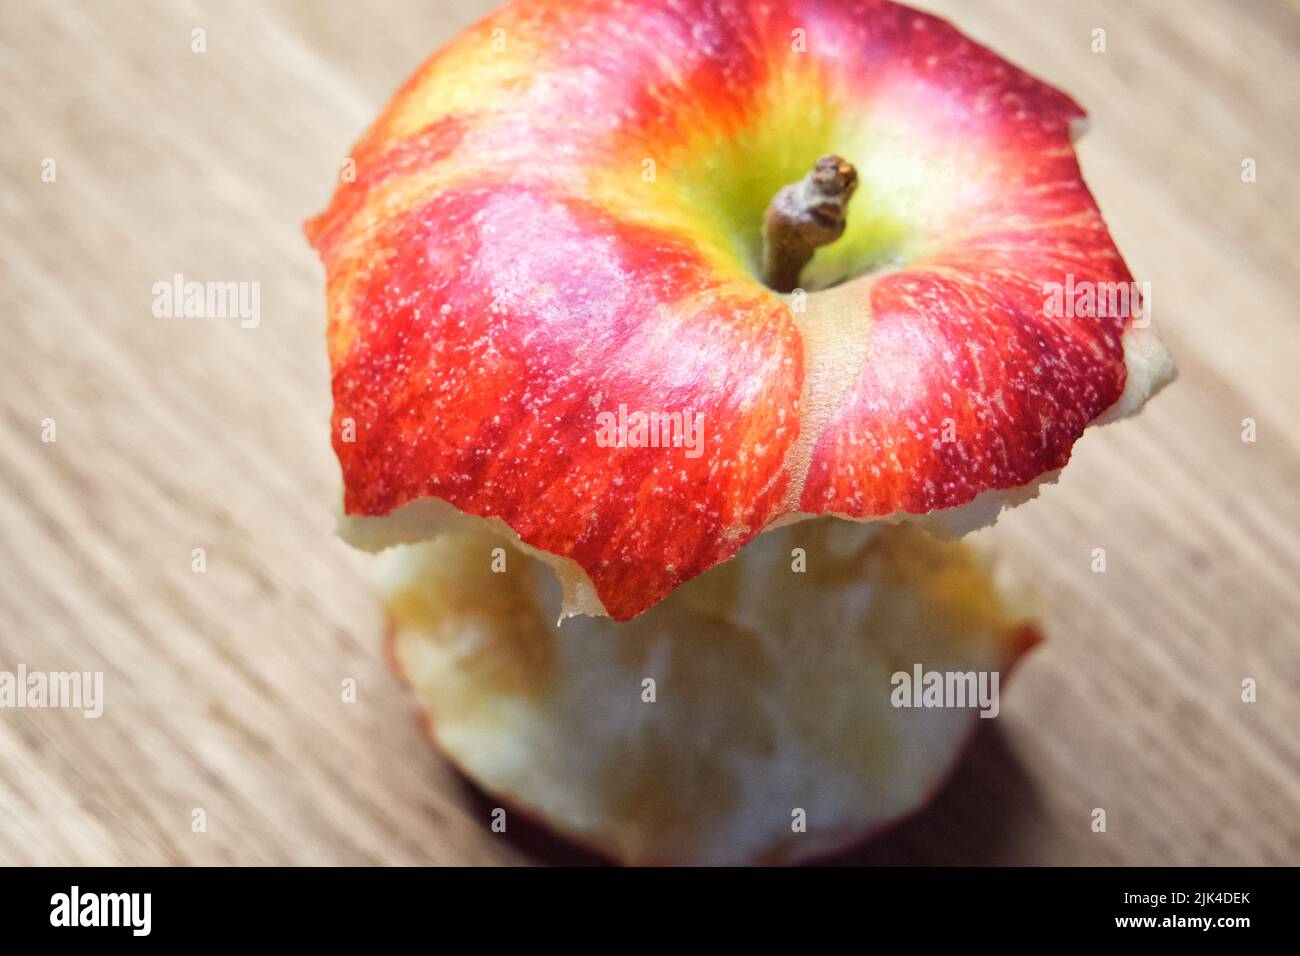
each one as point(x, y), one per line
point(490, 296)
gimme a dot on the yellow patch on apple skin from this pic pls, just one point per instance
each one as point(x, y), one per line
point(771, 689)
point(717, 169)
point(469, 75)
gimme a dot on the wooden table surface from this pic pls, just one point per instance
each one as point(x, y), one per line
point(223, 688)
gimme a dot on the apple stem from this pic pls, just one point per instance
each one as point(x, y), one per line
point(803, 216)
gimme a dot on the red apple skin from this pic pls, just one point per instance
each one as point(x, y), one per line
point(480, 386)
point(1015, 389)
point(488, 299)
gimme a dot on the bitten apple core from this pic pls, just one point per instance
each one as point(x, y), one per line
point(804, 216)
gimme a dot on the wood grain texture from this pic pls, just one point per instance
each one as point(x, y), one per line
point(223, 687)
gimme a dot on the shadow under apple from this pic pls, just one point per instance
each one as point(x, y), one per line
point(969, 822)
